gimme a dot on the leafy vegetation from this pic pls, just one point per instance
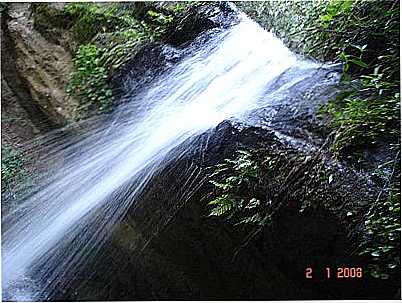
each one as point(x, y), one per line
point(235, 182)
point(382, 226)
point(107, 34)
point(367, 116)
point(362, 35)
point(3, 8)
point(12, 167)
point(254, 187)
point(249, 189)
point(89, 81)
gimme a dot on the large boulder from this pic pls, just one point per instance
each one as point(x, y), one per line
point(168, 248)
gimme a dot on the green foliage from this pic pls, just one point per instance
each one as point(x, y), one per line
point(177, 7)
point(235, 182)
point(348, 60)
point(383, 236)
point(159, 18)
point(255, 186)
point(89, 19)
point(361, 35)
point(49, 20)
point(89, 80)
point(3, 8)
point(93, 63)
point(324, 29)
point(106, 35)
point(12, 167)
point(222, 205)
point(295, 22)
point(109, 35)
point(367, 116)
point(334, 9)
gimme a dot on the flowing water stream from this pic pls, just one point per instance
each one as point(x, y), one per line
point(79, 202)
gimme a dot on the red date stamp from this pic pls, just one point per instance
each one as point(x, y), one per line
point(337, 273)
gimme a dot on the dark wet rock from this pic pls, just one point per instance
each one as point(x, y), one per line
point(192, 29)
point(293, 111)
point(200, 18)
point(167, 248)
point(174, 222)
point(150, 61)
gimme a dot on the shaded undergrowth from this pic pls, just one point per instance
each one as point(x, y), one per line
point(252, 189)
point(365, 118)
point(16, 174)
point(362, 35)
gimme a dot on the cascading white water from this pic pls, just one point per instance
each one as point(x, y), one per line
point(223, 79)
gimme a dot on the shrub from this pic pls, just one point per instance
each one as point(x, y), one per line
point(89, 80)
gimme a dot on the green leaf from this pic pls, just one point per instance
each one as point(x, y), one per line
point(358, 62)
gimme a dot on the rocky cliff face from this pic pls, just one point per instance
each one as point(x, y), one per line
point(37, 60)
point(34, 72)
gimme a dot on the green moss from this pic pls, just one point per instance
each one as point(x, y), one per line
point(106, 35)
point(46, 17)
point(106, 32)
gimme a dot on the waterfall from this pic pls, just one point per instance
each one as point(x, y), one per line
point(81, 200)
